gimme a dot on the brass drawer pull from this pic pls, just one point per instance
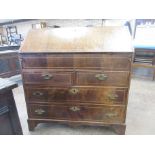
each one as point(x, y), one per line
point(47, 76)
point(74, 91)
point(111, 115)
point(39, 111)
point(37, 93)
point(113, 96)
point(74, 108)
point(101, 77)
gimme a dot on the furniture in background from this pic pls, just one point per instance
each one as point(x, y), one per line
point(13, 37)
point(11, 30)
point(142, 22)
point(9, 64)
point(144, 59)
point(9, 119)
point(8, 48)
point(144, 45)
point(3, 40)
point(80, 82)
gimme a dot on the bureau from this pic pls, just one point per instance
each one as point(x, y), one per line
point(78, 76)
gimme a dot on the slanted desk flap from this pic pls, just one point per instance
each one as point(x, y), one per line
point(78, 39)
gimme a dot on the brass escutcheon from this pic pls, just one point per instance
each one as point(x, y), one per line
point(37, 93)
point(112, 96)
point(101, 77)
point(47, 76)
point(74, 108)
point(74, 91)
point(111, 115)
point(39, 111)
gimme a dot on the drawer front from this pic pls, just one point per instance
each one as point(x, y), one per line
point(102, 78)
point(76, 61)
point(107, 114)
point(77, 94)
point(106, 63)
point(48, 78)
point(44, 61)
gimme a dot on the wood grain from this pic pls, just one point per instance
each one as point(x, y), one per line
point(91, 95)
point(79, 39)
point(90, 69)
point(85, 113)
point(103, 61)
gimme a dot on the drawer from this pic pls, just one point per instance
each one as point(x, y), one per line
point(102, 61)
point(80, 95)
point(106, 78)
point(47, 61)
point(48, 78)
point(108, 114)
point(76, 61)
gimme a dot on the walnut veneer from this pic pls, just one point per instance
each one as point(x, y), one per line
point(79, 76)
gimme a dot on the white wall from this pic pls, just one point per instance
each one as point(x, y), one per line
point(74, 22)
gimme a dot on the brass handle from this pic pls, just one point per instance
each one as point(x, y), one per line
point(47, 76)
point(74, 108)
point(74, 91)
point(113, 96)
point(39, 111)
point(101, 77)
point(111, 115)
point(37, 93)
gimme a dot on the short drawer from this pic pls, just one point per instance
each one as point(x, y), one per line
point(106, 78)
point(108, 114)
point(80, 95)
point(48, 78)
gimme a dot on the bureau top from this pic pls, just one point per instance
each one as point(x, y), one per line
point(78, 39)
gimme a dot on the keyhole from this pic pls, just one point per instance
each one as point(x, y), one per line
point(74, 91)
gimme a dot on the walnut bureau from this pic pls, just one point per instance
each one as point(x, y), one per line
point(78, 76)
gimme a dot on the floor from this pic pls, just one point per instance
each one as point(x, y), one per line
point(140, 115)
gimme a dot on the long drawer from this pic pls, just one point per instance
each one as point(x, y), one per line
point(108, 114)
point(80, 95)
point(85, 61)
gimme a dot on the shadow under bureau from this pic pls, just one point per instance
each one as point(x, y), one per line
point(78, 76)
